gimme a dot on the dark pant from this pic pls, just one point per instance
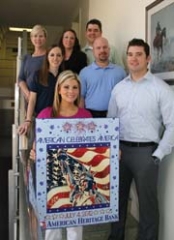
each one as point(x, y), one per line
point(98, 114)
point(137, 163)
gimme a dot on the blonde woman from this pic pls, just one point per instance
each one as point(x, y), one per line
point(66, 98)
point(65, 105)
point(32, 62)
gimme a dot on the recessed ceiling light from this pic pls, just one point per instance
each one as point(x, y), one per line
point(16, 29)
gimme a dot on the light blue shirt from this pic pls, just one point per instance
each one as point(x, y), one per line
point(97, 84)
point(113, 57)
point(143, 107)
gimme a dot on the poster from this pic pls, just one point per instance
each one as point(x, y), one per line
point(76, 171)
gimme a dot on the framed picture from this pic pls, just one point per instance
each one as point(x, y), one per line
point(160, 36)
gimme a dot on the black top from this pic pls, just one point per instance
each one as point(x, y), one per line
point(45, 94)
point(76, 62)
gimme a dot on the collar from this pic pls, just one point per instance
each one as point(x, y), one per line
point(88, 47)
point(95, 66)
point(147, 76)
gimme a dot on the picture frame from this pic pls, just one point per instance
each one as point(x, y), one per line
point(160, 37)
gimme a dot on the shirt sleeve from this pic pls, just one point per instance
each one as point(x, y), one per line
point(167, 111)
point(83, 83)
point(22, 75)
point(83, 61)
point(45, 113)
point(88, 114)
point(112, 107)
point(33, 82)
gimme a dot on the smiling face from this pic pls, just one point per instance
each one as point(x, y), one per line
point(101, 50)
point(68, 40)
point(69, 90)
point(92, 32)
point(38, 39)
point(137, 60)
point(55, 57)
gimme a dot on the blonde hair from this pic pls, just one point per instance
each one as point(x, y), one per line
point(38, 28)
point(65, 75)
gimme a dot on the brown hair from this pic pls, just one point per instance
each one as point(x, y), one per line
point(76, 44)
point(43, 73)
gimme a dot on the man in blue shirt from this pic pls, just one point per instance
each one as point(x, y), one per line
point(143, 103)
point(98, 79)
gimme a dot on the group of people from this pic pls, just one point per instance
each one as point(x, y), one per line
point(142, 102)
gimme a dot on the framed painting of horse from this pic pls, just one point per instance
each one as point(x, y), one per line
point(160, 36)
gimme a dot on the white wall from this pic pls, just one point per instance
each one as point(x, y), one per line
point(123, 20)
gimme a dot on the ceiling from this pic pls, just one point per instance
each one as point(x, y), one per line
point(27, 13)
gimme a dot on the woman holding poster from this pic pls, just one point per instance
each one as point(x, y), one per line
point(65, 105)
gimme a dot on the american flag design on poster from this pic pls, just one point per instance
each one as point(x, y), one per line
point(78, 177)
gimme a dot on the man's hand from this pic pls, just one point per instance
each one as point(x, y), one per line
point(156, 160)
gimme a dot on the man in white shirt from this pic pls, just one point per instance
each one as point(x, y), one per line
point(93, 31)
point(143, 103)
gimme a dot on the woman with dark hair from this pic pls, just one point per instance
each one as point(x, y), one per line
point(74, 59)
point(42, 85)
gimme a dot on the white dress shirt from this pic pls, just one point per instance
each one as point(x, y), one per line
point(144, 107)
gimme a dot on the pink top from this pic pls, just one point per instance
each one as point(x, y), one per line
point(82, 113)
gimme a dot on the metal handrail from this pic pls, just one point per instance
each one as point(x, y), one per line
point(17, 143)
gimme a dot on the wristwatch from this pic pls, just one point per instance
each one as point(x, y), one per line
point(156, 160)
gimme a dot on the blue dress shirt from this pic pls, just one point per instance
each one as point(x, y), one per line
point(97, 84)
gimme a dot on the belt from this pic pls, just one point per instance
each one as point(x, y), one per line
point(138, 144)
point(97, 113)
